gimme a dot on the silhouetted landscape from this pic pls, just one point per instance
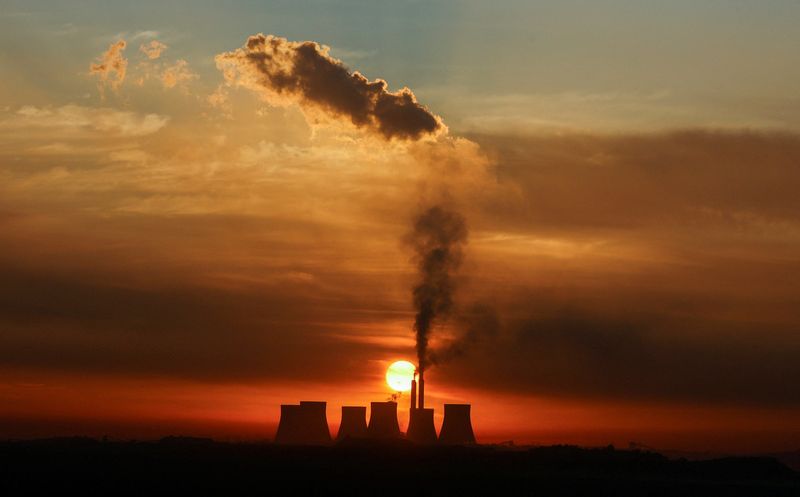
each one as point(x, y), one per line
point(199, 466)
point(508, 248)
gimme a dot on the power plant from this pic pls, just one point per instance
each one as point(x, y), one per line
point(306, 423)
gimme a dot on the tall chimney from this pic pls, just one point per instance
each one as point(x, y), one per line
point(413, 394)
point(354, 422)
point(457, 426)
point(383, 420)
point(421, 403)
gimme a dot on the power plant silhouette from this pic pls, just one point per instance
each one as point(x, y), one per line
point(307, 423)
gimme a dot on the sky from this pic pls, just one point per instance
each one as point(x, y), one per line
point(189, 239)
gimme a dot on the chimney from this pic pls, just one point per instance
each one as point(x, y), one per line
point(383, 420)
point(457, 426)
point(420, 427)
point(304, 424)
point(354, 422)
point(421, 403)
point(413, 393)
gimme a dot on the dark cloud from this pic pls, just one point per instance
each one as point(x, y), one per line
point(126, 308)
point(71, 323)
point(572, 350)
point(627, 182)
point(304, 73)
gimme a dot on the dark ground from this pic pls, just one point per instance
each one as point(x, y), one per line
point(184, 466)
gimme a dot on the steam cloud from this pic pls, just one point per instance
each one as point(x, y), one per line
point(438, 238)
point(176, 74)
point(304, 73)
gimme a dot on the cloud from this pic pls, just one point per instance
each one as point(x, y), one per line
point(219, 97)
point(169, 75)
point(176, 74)
point(76, 118)
point(144, 35)
point(152, 49)
point(111, 66)
point(286, 72)
point(646, 351)
point(573, 112)
point(678, 180)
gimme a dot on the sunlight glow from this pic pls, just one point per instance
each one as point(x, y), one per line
point(399, 375)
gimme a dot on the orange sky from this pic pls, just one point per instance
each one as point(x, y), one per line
point(69, 404)
point(182, 254)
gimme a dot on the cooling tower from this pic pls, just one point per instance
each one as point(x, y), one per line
point(316, 421)
point(304, 424)
point(383, 420)
point(420, 426)
point(457, 426)
point(290, 426)
point(354, 422)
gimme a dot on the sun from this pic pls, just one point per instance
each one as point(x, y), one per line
point(399, 375)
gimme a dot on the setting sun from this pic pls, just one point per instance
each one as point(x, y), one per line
point(399, 375)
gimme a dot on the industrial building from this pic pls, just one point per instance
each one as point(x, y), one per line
point(306, 423)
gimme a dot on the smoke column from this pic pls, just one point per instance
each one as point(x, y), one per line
point(438, 238)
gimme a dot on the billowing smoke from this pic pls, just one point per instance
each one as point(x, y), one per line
point(437, 238)
point(304, 73)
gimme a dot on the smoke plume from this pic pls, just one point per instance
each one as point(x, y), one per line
point(303, 73)
point(437, 238)
point(287, 72)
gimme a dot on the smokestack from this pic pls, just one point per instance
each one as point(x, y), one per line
point(420, 427)
point(383, 420)
point(413, 394)
point(304, 424)
point(457, 426)
point(421, 402)
point(354, 423)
